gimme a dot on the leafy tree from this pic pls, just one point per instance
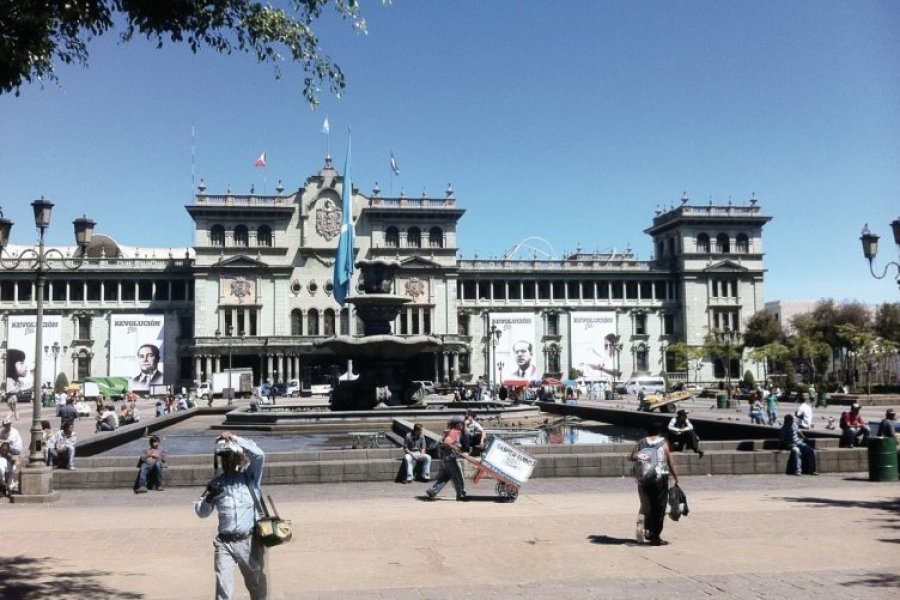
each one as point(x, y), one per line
point(36, 34)
point(774, 354)
point(62, 382)
point(687, 357)
point(761, 329)
point(887, 322)
point(810, 352)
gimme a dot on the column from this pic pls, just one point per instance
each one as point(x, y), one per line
point(454, 365)
point(198, 368)
point(437, 374)
point(269, 364)
point(420, 315)
point(446, 365)
point(281, 372)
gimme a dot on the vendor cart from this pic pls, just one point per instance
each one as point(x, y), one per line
point(508, 465)
point(664, 402)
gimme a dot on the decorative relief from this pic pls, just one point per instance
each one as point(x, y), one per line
point(238, 289)
point(328, 220)
point(415, 287)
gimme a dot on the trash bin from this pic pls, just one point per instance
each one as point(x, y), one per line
point(47, 400)
point(882, 459)
point(608, 395)
point(822, 400)
point(721, 401)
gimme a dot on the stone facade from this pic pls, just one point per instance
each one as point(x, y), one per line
point(255, 290)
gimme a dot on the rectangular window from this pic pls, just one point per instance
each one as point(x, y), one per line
point(660, 290)
point(631, 290)
point(603, 290)
point(499, 290)
point(646, 290)
point(559, 290)
point(464, 365)
point(128, 291)
point(6, 291)
point(515, 290)
point(76, 291)
point(110, 290)
point(669, 324)
point(528, 290)
point(59, 291)
point(179, 291)
point(162, 291)
point(93, 291)
point(543, 290)
point(24, 289)
point(574, 290)
point(617, 290)
point(84, 328)
point(426, 321)
point(462, 324)
point(587, 290)
point(640, 324)
point(553, 324)
point(145, 291)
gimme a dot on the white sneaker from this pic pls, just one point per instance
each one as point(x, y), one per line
point(639, 534)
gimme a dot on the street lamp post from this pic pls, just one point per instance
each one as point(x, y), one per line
point(499, 371)
point(230, 389)
point(495, 334)
point(870, 249)
point(728, 337)
point(55, 349)
point(617, 350)
point(36, 479)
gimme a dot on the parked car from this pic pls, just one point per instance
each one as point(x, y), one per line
point(293, 388)
point(427, 386)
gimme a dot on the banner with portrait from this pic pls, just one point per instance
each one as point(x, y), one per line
point(20, 358)
point(516, 348)
point(136, 350)
point(593, 343)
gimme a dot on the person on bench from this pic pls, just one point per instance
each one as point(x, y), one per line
point(854, 430)
point(682, 434)
point(414, 446)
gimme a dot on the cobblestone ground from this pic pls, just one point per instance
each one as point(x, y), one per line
point(746, 537)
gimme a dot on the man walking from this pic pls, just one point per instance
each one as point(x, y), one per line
point(451, 449)
point(234, 494)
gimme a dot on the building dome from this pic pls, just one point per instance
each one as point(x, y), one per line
point(103, 246)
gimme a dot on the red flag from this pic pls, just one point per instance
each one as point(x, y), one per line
point(261, 161)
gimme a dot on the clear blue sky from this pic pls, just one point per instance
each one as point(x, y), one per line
point(570, 120)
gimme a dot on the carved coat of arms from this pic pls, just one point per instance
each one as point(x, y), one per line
point(241, 288)
point(328, 220)
point(415, 287)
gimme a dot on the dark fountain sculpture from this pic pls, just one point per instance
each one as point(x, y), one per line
point(381, 358)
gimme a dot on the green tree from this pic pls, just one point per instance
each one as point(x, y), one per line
point(887, 322)
point(37, 34)
point(687, 357)
point(61, 383)
point(771, 356)
point(761, 329)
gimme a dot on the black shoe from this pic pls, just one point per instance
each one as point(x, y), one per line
point(430, 495)
point(462, 498)
point(658, 542)
point(700, 453)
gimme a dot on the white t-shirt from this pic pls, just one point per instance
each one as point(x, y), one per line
point(804, 416)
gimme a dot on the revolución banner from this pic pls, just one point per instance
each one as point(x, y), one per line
point(593, 343)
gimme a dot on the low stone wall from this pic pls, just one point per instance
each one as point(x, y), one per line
point(754, 456)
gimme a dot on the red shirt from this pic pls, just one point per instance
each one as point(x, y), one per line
point(851, 419)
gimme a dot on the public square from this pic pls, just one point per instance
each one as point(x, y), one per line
point(745, 537)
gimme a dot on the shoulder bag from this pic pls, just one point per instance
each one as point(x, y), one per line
point(270, 529)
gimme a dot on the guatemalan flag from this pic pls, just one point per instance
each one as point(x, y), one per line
point(343, 266)
point(261, 161)
point(394, 167)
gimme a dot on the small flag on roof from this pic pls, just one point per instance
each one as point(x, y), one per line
point(326, 128)
point(261, 161)
point(394, 166)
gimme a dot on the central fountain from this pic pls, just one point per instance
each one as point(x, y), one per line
point(381, 358)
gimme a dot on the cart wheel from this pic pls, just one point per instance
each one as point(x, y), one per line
point(670, 408)
point(507, 491)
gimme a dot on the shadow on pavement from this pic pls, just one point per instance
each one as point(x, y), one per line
point(34, 578)
point(878, 580)
point(605, 540)
point(469, 498)
point(885, 505)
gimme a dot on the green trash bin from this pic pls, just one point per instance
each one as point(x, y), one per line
point(882, 459)
point(721, 400)
point(822, 400)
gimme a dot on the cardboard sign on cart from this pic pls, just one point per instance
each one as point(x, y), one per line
point(508, 461)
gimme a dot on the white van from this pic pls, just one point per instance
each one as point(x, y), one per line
point(651, 385)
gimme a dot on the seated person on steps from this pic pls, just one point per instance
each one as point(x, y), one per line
point(414, 446)
point(803, 456)
point(150, 465)
point(61, 447)
point(854, 430)
point(682, 434)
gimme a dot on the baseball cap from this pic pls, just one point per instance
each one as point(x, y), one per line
point(681, 411)
point(7, 420)
point(854, 406)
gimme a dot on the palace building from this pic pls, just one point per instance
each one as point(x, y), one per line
point(255, 291)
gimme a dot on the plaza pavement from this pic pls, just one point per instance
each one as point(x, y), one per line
point(745, 537)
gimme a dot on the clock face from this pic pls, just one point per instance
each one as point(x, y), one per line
point(240, 290)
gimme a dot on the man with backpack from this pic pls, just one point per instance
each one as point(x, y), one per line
point(653, 465)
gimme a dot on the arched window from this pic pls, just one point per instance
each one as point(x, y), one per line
point(392, 237)
point(703, 243)
point(742, 244)
point(436, 238)
point(660, 250)
point(312, 322)
point(217, 235)
point(414, 238)
point(296, 322)
point(264, 236)
point(553, 359)
point(722, 243)
point(83, 364)
point(241, 236)
point(329, 322)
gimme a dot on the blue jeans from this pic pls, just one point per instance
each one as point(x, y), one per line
point(152, 473)
point(63, 460)
point(854, 436)
point(450, 471)
point(411, 461)
point(803, 455)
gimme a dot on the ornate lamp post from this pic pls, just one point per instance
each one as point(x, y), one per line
point(55, 349)
point(36, 476)
point(729, 338)
point(494, 338)
point(616, 348)
point(499, 376)
point(870, 249)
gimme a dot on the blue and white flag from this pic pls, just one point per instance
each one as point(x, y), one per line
point(394, 166)
point(326, 128)
point(343, 266)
